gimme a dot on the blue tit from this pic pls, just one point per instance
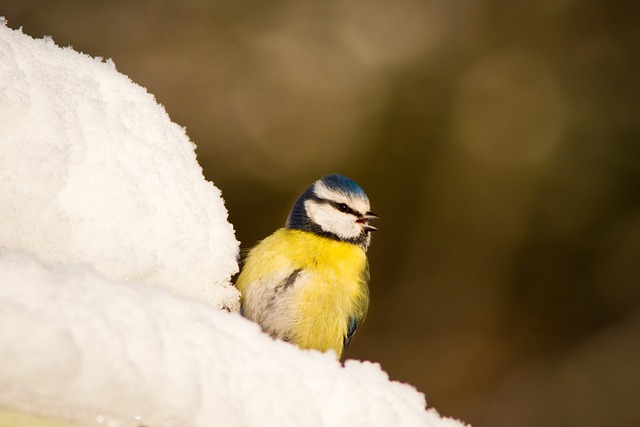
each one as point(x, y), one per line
point(307, 283)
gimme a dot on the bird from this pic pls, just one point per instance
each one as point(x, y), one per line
point(308, 283)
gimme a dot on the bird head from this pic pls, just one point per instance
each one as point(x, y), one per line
point(336, 207)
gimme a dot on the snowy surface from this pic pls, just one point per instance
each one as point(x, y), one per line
point(88, 349)
point(113, 249)
point(93, 170)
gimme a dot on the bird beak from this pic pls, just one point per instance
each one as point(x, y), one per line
point(370, 215)
point(365, 220)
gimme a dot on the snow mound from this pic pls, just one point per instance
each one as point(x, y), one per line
point(89, 350)
point(93, 170)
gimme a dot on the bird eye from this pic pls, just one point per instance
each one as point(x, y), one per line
point(343, 207)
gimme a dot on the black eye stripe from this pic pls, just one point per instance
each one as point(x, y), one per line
point(343, 207)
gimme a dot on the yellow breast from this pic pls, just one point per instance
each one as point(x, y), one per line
point(332, 285)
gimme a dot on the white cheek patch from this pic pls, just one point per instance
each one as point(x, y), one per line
point(331, 220)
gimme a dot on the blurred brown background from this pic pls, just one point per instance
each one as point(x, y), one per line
point(498, 140)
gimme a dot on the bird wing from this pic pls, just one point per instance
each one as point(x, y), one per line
point(290, 280)
point(352, 325)
point(271, 302)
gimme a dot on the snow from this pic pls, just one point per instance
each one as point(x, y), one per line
point(115, 262)
point(179, 361)
point(93, 170)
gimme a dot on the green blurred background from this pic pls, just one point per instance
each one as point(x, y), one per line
point(498, 140)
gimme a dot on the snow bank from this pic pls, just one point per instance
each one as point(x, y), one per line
point(93, 170)
point(106, 225)
point(93, 351)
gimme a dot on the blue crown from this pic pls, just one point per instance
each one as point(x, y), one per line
point(343, 184)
